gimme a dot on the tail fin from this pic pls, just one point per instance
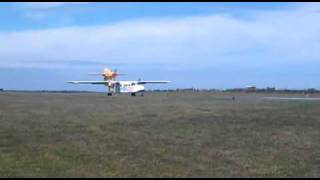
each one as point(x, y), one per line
point(108, 74)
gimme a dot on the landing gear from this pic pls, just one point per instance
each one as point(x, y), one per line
point(141, 94)
point(133, 94)
point(109, 94)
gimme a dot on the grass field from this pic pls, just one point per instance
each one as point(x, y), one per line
point(174, 134)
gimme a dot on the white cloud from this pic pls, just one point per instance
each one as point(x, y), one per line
point(277, 37)
point(42, 11)
point(46, 5)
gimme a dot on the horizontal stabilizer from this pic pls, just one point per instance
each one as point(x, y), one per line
point(95, 74)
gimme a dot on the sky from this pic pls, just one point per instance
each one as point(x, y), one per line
point(201, 45)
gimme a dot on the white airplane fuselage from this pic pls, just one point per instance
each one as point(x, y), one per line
point(127, 87)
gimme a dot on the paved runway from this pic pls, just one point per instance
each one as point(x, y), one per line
point(292, 98)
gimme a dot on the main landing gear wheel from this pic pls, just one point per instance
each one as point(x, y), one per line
point(109, 94)
point(133, 94)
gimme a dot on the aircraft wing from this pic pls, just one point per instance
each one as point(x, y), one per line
point(88, 82)
point(152, 82)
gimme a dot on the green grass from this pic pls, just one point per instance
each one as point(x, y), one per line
point(158, 135)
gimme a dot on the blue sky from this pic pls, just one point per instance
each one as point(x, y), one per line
point(203, 45)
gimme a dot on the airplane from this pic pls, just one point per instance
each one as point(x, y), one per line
point(115, 86)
